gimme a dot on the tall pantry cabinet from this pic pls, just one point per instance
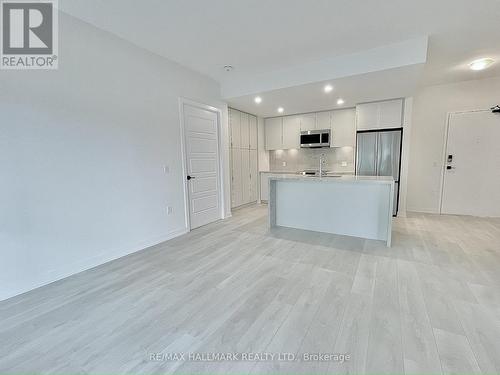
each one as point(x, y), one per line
point(244, 170)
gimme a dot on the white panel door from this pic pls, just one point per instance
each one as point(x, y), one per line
point(202, 159)
point(323, 120)
point(235, 125)
point(291, 132)
point(252, 124)
point(245, 131)
point(254, 176)
point(472, 166)
point(274, 133)
point(236, 182)
point(344, 128)
point(245, 176)
point(308, 121)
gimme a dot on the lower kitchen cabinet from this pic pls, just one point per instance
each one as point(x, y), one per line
point(264, 187)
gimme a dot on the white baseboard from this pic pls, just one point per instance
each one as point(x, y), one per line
point(422, 210)
point(71, 269)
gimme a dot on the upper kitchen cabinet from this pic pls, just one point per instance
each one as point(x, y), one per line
point(391, 113)
point(323, 120)
point(343, 128)
point(380, 115)
point(252, 124)
point(308, 121)
point(245, 131)
point(274, 133)
point(235, 120)
point(291, 132)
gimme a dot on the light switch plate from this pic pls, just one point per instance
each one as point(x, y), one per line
point(166, 169)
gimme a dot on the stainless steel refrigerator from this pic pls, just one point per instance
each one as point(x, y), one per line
point(378, 153)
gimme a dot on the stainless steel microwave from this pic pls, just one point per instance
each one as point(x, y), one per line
point(315, 138)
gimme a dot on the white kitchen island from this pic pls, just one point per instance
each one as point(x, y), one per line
point(358, 206)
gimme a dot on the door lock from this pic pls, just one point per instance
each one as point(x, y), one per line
point(189, 178)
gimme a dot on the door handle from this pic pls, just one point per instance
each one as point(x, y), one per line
point(189, 178)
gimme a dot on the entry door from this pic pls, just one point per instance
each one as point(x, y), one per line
point(472, 166)
point(202, 160)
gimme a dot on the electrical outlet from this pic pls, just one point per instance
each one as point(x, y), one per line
point(284, 164)
point(344, 164)
point(170, 210)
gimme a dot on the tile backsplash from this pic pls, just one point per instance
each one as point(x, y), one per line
point(308, 158)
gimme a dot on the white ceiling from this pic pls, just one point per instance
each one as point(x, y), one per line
point(387, 84)
point(261, 36)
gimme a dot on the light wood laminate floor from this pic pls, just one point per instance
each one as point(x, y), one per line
point(430, 304)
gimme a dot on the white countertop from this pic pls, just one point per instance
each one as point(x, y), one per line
point(298, 173)
point(277, 172)
point(332, 178)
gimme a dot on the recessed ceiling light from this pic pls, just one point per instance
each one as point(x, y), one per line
point(258, 100)
point(328, 88)
point(340, 101)
point(481, 64)
point(281, 109)
point(228, 68)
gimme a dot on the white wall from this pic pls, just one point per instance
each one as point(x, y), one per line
point(405, 156)
point(82, 151)
point(430, 108)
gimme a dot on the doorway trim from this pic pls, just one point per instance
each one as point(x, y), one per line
point(445, 148)
point(220, 165)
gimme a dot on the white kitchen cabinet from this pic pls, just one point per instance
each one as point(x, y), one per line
point(244, 180)
point(235, 124)
point(264, 186)
point(245, 131)
point(391, 114)
point(245, 176)
point(343, 128)
point(380, 115)
point(367, 116)
point(244, 159)
point(308, 121)
point(252, 124)
point(254, 176)
point(323, 120)
point(274, 133)
point(236, 178)
point(291, 132)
